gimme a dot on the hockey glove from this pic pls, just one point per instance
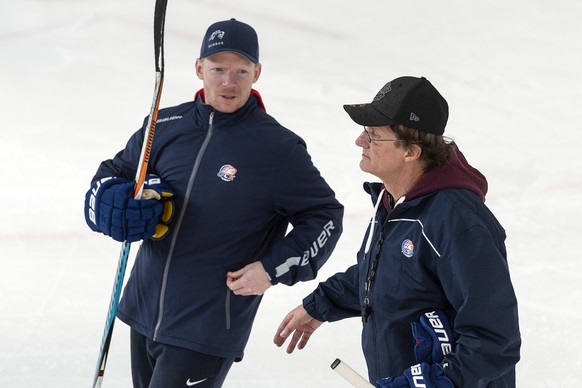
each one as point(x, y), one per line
point(111, 209)
point(155, 188)
point(433, 337)
point(419, 375)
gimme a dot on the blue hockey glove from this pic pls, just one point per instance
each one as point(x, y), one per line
point(433, 337)
point(420, 375)
point(111, 209)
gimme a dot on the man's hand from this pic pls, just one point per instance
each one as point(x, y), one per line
point(252, 279)
point(301, 324)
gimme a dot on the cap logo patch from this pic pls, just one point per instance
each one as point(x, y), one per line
point(217, 33)
point(414, 117)
point(227, 173)
point(407, 248)
point(384, 91)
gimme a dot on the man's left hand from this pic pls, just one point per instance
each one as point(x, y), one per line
point(252, 279)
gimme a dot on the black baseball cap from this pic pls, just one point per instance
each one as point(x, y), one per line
point(231, 35)
point(410, 101)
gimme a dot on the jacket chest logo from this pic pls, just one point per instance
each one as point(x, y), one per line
point(227, 173)
point(407, 248)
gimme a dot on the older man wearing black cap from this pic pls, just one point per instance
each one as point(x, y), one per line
point(193, 292)
point(431, 283)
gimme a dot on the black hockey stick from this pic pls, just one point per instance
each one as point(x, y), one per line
point(159, 22)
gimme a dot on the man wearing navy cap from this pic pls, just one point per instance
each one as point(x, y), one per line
point(431, 283)
point(237, 179)
point(228, 64)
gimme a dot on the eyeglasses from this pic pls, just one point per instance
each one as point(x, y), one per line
point(370, 138)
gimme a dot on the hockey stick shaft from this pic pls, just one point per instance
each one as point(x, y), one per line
point(141, 171)
point(349, 374)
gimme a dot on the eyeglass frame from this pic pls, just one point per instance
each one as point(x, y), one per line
point(446, 139)
point(370, 138)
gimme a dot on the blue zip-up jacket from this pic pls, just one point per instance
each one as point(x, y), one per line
point(177, 291)
point(442, 249)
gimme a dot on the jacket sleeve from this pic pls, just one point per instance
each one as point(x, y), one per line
point(475, 277)
point(336, 298)
point(303, 197)
point(124, 164)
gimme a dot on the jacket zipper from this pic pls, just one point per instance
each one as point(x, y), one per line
point(179, 223)
point(227, 308)
point(367, 308)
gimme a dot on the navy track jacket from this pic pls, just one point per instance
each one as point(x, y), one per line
point(442, 249)
point(239, 179)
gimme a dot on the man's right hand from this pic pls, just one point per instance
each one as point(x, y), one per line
point(301, 324)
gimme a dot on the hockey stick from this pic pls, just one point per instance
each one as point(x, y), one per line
point(349, 374)
point(159, 21)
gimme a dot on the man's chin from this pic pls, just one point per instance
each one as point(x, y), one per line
point(227, 107)
point(363, 166)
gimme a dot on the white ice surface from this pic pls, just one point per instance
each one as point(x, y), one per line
point(77, 79)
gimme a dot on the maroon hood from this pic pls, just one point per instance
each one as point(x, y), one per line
point(457, 174)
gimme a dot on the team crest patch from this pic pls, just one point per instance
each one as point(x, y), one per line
point(384, 91)
point(227, 173)
point(407, 248)
point(217, 33)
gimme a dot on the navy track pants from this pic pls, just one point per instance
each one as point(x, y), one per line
point(156, 365)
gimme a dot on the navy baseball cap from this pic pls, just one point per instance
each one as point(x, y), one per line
point(410, 101)
point(231, 35)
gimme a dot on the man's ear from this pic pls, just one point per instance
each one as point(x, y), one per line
point(258, 68)
point(198, 66)
point(414, 152)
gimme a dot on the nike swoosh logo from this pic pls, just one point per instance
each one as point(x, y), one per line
point(191, 383)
